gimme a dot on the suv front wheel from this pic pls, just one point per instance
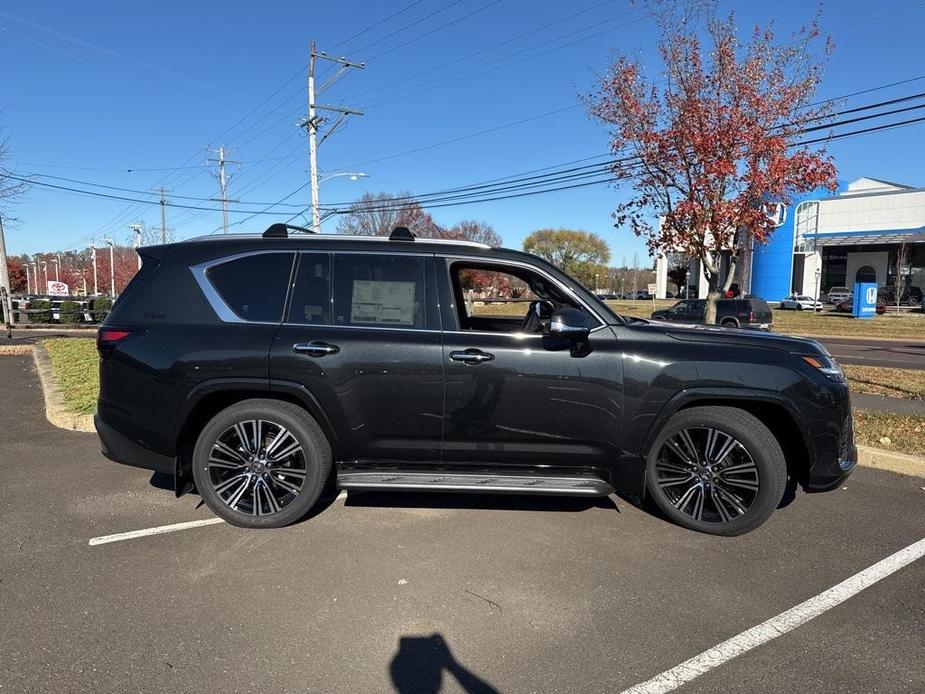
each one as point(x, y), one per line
point(261, 463)
point(718, 470)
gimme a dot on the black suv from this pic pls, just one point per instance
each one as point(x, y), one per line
point(260, 368)
point(730, 313)
point(911, 296)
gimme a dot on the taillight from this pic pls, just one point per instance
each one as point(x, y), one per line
point(751, 316)
point(107, 338)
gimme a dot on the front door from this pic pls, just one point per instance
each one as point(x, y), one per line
point(362, 337)
point(513, 395)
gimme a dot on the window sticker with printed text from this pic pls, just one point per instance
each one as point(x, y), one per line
point(382, 302)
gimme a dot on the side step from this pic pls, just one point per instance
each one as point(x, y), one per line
point(391, 480)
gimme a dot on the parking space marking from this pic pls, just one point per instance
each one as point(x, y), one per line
point(172, 528)
point(159, 530)
point(781, 624)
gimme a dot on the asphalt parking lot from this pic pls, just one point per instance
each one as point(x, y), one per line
point(412, 593)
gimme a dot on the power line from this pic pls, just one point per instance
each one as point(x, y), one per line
point(452, 202)
point(96, 194)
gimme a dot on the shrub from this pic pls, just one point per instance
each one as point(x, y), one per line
point(71, 312)
point(99, 308)
point(42, 311)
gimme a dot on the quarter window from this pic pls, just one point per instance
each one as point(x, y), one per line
point(375, 290)
point(254, 287)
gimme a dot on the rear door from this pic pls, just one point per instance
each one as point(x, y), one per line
point(361, 340)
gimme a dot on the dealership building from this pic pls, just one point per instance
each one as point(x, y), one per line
point(828, 240)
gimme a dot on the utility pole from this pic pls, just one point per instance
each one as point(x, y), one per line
point(28, 283)
point(162, 191)
point(223, 183)
point(5, 286)
point(313, 120)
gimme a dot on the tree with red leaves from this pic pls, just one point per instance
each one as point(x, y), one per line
point(710, 146)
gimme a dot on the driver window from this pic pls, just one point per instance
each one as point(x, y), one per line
point(491, 299)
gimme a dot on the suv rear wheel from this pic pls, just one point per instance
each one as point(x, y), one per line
point(261, 463)
point(717, 470)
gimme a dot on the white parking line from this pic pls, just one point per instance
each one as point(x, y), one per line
point(172, 528)
point(781, 624)
point(159, 530)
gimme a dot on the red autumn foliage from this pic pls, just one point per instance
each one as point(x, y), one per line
point(707, 148)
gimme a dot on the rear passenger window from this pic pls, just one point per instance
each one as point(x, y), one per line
point(379, 290)
point(254, 287)
point(311, 295)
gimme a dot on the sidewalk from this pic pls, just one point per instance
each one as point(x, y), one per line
point(881, 403)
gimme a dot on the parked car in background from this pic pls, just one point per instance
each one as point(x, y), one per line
point(848, 306)
point(639, 294)
point(911, 296)
point(263, 368)
point(801, 302)
point(730, 313)
point(836, 295)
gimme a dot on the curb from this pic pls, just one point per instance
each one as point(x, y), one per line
point(902, 463)
point(55, 410)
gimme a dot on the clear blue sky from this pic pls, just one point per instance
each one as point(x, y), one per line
point(116, 86)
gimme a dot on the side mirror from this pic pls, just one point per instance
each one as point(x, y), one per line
point(569, 323)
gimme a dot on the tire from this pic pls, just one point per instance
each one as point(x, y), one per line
point(799, 307)
point(913, 301)
point(744, 486)
point(269, 484)
point(729, 323)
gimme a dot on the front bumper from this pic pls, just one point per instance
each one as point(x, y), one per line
point(824, 478)
point(121, 449)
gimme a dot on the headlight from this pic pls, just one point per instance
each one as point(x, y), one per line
point(826, 365)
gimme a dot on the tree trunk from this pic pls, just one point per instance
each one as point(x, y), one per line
point(710, 264)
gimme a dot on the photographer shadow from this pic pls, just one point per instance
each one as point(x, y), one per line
point(419, 664)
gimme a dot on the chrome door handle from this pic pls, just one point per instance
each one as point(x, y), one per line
point(471, 356)
point(315, 349)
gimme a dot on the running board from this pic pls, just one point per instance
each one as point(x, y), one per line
point(577, 485)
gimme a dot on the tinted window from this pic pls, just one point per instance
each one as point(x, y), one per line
point(311, 295)
point(254, 287)
point(379, 290)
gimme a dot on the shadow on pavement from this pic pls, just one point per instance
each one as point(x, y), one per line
point(496, 502)
point(419, 664)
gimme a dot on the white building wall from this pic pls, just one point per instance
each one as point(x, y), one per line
point(661, 277)
point(872, 212)
point(878, 260)
point(811, 263)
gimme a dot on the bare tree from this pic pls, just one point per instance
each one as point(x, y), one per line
point(902, 260)
point(376, 214)
point(11, 187)
point(472, 230)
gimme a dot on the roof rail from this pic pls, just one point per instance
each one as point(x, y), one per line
point(281, 231)
point(402, 234)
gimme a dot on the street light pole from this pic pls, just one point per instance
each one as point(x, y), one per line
point(816, 296)
point(137, 240)
point(28, 283)
point(112, 268)
point(95, 290)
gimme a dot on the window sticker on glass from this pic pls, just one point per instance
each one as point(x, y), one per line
point(382, 302)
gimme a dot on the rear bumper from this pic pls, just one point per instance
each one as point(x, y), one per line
point(121, 449)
